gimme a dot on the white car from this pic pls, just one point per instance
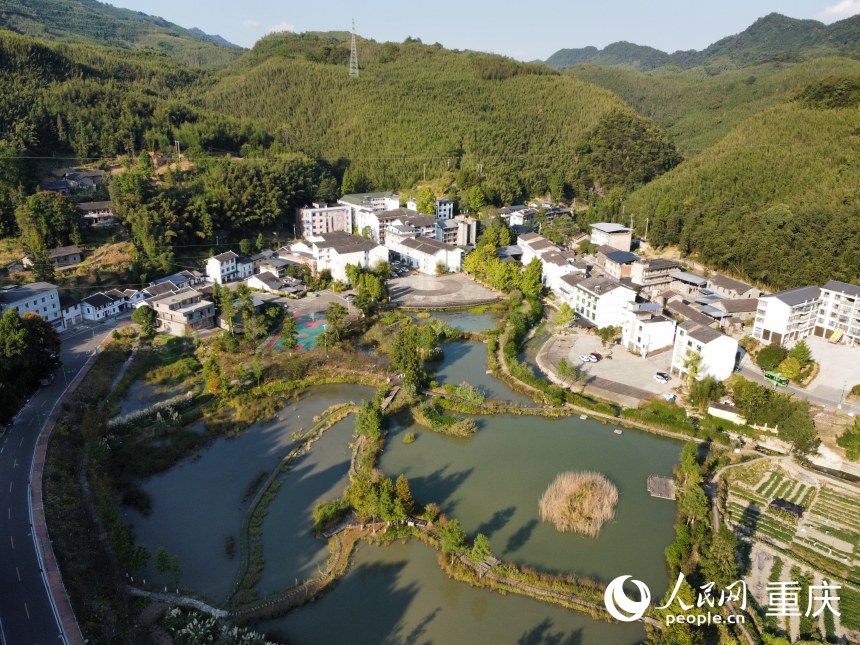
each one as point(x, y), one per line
point(585, 358)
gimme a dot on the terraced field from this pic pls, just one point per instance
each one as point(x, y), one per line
point(827, 537)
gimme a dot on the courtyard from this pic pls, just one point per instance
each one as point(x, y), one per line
point(426, 291)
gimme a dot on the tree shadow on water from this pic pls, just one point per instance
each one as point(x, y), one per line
point(521, 536)
point(498, 521)
point(439, 486)
point(541, 634)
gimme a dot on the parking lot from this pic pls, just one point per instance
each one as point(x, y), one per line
point(620, 371)
point(454, 290)
point(839, 371)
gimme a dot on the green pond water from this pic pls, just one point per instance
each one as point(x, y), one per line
point(467, 361)
point(397, 594)
point(465, 321)
point(200, 501)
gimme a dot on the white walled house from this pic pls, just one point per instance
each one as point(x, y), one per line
point(788, 316)
point(364, 206)
point(601, 300)
point(646, 330)
point(38, 297)
point(426, 253)
point(839, 312)
point(318, 219)
point(609, 234)
point(244, 268)
point(100, 306)
point(183, 311)
point(718, 352)
point(265, 281)
point(222, 268)
point(555, 265)
point(334, 251)
point(71, 310)
point(534, 246)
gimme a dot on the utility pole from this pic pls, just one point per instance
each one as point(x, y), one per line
point(425, 172)
point(647, 221)
point(178, 152)
point(353, 55)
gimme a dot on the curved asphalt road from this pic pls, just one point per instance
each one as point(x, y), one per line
point(26, 613)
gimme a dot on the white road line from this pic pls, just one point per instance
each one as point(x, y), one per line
point(20, 442)
point(12, 541)
point(19, 573)
point(26, 609)
point(9, 512)
point(10, 487)
point(2, 633)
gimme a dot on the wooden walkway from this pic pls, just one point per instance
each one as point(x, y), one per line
point(662, 487)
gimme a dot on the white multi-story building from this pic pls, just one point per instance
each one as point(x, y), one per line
point(556, 264)
point(653, 275)
point(100, 306)
point(601, 300)
point(38, 297)
point(426, 253)
point(646, 330)
point(222, 268)
point(444, 208)
point(318, 219)
point(534, 246)
point(334, 251)
point(788, 316)
point(609, 234)
point(71, 309)
point(462, 230)
point(839, 312)
point(364, 206)
point(717, 352)
point(186, 310)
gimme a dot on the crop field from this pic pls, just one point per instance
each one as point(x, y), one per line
point(827, 537)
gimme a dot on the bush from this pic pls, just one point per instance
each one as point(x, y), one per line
point(770, 357)
point(579, 502)
point(790, 368)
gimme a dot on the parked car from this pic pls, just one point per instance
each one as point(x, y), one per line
point(586, 358)
point(596, 357)
point(349, 297)
point(47, 380)
point(662, 377)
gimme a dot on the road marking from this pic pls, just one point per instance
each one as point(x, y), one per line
point(12, 541)
point(27, 611)
point(20, 442)
point(9, 513)
point(2, 633)
point(19, 574)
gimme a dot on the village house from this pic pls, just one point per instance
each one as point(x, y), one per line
point(646, 330)
point(731, 289)
point(600, 300)
point(711, 351)
point(556, 264)
point(222, 268)
point(334, 251)
point(182, 279)
point(321, 218)
point(60, 257)
point(183, 311)
point(534, 246)
point(364, 208)
point(460, 231)
point(37, 297)
point(653, 275)
point(618, 264)
point(444, 208)
point(427, 254)
point(788, 316)
point(100, 306)
point(97, 213)
point(71, 311)
point(687, 283)
point(838, 317)
point(614, 235)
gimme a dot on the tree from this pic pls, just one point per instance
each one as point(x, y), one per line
point(705, 391)
point(556, 186)
point(368, 421)
point(770, 357)
point(167, 565)
point(481, 549)
point(801, 353)
point(453, 538)
point(789, 368)
point(693, 365)
point(335, 316)
point(51, 218)
point(426, 201)
point(694, 504)
point(290, 333)
point(228, 307)
point(257, 368)
point(850, 440)
point(477, 199)
point(261, 243)
point(531, 280)
point(608, 334)
point(245, 246)
point(404, 494)
point(405, 358)
point(719, 564)
point(145, 317)
point(565, 315)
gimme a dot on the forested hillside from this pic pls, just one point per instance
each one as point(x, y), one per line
point(776, 200)
point(698, 110)
point(773, 38)
point(89, 21)
point(506, 126)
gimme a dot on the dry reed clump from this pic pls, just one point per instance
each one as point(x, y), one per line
point(579, 502)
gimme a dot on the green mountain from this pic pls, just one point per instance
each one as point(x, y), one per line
point(772, 38)
point(697, 109)
point(775, 200)
point(509, 127)
point(92, 22)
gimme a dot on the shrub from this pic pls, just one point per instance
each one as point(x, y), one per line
point(409, 438)
point(579, 502)
point(770, 357)
point(790, 368)
point(801, 353)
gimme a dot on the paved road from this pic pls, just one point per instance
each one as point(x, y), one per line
point(26, 613)
point(752, 373)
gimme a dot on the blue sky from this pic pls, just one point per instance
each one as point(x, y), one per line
point(525, 30)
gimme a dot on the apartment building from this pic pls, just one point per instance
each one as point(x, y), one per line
point(322, 218)
point(716, 352)
point(646, 330)
point(838, 316)
point(600, 300)
point(334, 251)
point(614, 235)
point(788, 316)
point(38, 297)
point(184, 311)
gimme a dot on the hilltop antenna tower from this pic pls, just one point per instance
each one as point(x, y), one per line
point(353, 55)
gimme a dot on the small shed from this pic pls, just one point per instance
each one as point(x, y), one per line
point(785, 506)
point(662, 487)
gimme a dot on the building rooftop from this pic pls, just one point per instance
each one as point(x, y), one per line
point(661, 264)
point(621, 257)
point(63, 251)
point(683, 310)
point(161, 288)
point(428, 245)
point(842, 287)
point(99, 300)
point(727, 283)
point(9, 295)
point(67, 300)
point(737, 306)
point(609, 227)
point(225, 257)
point(344, 242)
point(702, 333)
point(599, 285)
point(797, 296)
point(168, 299)
point(269, 279)
point(88, 207)
point(420, 221)
point(359, 199)
point(690, 278)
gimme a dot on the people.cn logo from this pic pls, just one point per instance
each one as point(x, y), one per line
point(620, 606)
